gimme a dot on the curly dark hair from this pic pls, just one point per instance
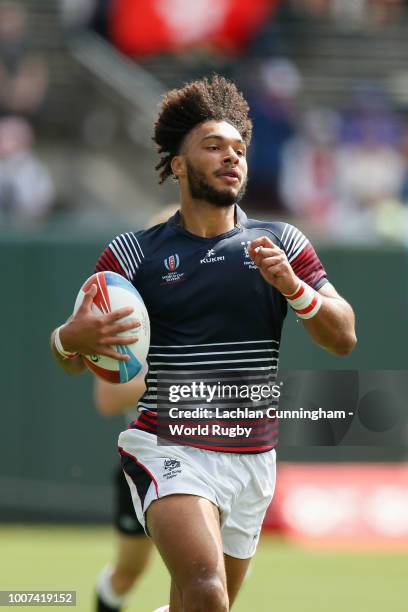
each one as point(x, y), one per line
point(199, 101)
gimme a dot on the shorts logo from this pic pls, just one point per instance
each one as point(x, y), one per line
point(171, 464)
point(172, 468)
point(172, 263)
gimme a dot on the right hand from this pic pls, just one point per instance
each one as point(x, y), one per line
point(90, 334)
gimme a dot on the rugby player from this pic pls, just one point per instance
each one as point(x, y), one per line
point(133, 548)
point(217, 286)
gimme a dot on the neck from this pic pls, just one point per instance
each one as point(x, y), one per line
point(206, 220)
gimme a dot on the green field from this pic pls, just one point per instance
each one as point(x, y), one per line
point(284, 578)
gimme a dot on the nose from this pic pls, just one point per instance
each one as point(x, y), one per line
point(231, 157)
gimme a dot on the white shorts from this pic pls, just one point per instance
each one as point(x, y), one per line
point(241, 486)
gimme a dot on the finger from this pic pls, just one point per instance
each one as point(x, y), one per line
point(88, 297)
point(110, 352)
point(270, 262)
point(264, 251)
point(120, 340)
point(119, 314)
point(116, 328)
point(262, 254)
point(263, 241)
point(267, 251)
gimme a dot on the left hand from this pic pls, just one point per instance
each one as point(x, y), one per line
point(273, 265)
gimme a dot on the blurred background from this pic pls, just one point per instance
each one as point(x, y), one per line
point(80, 84)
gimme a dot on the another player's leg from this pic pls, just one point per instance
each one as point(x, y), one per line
point(115, 583)
point(132, 556)
point(186, 531)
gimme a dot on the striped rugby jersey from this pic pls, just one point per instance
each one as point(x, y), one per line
point(213, 317)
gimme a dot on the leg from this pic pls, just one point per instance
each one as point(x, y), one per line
point(186, 531)
point(176, 604)
point(132, 559)
point(132, 556)
point(241, 529)
point(236, 570)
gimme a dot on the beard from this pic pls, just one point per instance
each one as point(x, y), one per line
point(200, 189)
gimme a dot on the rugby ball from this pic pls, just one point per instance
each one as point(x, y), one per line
point(114, 292)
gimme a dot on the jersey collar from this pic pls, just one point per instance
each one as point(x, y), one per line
point(241, 217)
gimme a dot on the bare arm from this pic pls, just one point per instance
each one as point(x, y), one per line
point(333, 325)
point(86, 333)
point(111, 399)
point(333, 328)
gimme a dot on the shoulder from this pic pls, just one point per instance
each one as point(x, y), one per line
point(139, 243)
point(124, 254)
point(290, 238)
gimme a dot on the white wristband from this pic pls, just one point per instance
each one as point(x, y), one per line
point(305, 301)
point(60, 349)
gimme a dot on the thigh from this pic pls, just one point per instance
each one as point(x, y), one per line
point(242, 525)
point(155, 472)
point(186, 531)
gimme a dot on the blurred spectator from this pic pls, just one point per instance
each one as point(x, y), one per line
point(272, 111)
point(404, 152)
point(368, 175)
point(352, 14)
point(370, 167)
point(370, 117)
point(26, 188)
point(23, 72)
point(347, 175)
point(308, 179)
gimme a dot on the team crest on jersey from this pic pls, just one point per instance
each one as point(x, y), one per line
point(172, 263)
point(247, 260)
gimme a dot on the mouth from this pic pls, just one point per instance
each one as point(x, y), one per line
point(231, 176)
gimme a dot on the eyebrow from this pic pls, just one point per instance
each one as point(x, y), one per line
point(217, 137)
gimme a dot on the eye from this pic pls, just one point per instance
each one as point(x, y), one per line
point(240, 153)
point(213, 148)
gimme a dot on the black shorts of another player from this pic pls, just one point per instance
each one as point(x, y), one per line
point(125, 519)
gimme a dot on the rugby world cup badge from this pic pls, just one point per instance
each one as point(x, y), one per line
point(172, 263)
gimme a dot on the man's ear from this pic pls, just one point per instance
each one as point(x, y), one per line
point(178, 166)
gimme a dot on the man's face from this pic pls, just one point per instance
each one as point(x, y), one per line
point(216, 167)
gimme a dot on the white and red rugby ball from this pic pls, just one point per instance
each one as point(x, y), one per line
point(114, 292)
